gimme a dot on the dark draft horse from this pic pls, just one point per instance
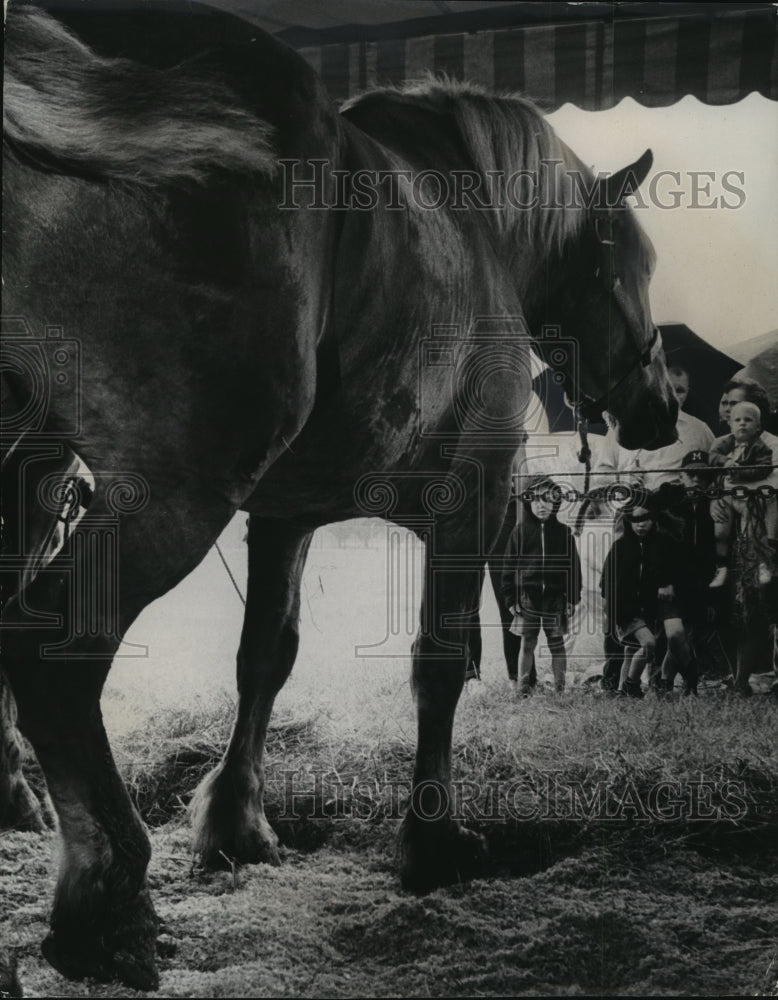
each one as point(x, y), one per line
point(229, 333)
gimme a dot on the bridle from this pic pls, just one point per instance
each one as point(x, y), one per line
point(591, 408)
point(585, 406)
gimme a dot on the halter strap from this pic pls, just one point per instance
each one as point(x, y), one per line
point(587, 407)
point(593, 408)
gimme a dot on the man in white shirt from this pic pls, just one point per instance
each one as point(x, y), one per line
point(652, 468)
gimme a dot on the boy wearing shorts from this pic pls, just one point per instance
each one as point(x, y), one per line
point(643, 572)
point(542, 582)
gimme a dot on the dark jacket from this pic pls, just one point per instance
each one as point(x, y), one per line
point(690, 521)
point(634, 571)
point(541, 557)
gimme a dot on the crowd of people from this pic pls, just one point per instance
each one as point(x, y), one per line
point(690, 583)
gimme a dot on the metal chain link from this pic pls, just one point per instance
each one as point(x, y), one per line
point(622, 493)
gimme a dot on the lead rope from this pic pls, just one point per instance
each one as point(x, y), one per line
point(77, 494)
point(585, 457)
point(229, 574)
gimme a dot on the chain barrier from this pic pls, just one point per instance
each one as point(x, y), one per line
point(620, 493)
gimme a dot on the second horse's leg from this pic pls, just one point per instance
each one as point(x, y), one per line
point(19, 808)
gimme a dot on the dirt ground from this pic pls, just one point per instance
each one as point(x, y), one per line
point(334, 923)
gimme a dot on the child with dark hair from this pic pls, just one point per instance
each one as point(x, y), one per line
point(542, 583)
point(642, 573)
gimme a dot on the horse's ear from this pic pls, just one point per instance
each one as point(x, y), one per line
point(625, 182)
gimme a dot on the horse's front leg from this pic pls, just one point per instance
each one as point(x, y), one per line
point(228, 812)
point(435, 849)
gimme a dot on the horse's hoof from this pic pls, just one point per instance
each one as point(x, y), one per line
point(224, 845)
point(9, 981)
point(86, 960)
point(228, 833)
point(123, 948)
point(248, 850)
point(437, 854)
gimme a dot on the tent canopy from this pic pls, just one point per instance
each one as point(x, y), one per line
point(590, 60)
point(591, 54)
point(760, 356)
point(709, 369)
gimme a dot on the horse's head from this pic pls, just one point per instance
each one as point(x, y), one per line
point(599, 297)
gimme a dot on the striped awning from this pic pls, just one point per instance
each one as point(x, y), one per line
point(719, 58)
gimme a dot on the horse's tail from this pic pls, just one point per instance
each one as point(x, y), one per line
point(72, 110)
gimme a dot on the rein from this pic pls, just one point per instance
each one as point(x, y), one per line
point(593, 408)
point(584, 456)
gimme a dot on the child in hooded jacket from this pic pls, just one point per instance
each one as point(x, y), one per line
point(643, 574)
point(542, 582)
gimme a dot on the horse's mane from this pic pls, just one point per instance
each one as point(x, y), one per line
point(502, 133)
point(65, 105)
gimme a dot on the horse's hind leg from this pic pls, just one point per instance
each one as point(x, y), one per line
point(103, 924)
point(228, 811)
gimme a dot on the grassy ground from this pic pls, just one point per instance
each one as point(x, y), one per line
point(575, 765)
point(633, 904)
point(604, 878)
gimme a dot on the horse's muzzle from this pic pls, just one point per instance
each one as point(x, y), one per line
point(650, 424)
